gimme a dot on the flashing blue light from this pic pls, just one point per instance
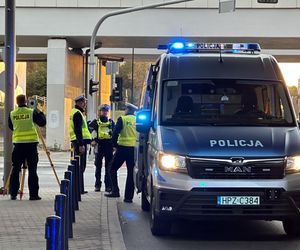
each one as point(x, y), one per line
point(181, 47)
point(142, 117)
point(177, 45)
point(190, 45)
point(254, 46)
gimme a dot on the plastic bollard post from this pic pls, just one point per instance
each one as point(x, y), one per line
point(60, 210)
point(68, 176)
point(77, 176)
point(65, 189)
point(77, 173)
point(74, 191)
point(81, 179)
point(52, 227)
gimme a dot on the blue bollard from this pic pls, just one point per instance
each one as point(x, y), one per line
point(74, 189)
point(77, 176)
point(65, 189)
point(60, 210)
point(52, 227)
point(80, 167)
point(81, 183)
point(68, 176)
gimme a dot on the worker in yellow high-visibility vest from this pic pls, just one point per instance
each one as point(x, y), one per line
point(102, 142)
point(22, 122)
point(124, 139)
point(79, 134)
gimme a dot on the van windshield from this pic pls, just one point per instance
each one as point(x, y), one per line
point(225, 102)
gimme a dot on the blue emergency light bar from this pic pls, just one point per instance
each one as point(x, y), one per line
point(183, 47)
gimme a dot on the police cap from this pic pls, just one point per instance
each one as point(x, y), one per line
point(104, 107)
point(131, 107)
point(80, 98)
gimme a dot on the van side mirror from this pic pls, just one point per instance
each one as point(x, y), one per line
point(143, 121)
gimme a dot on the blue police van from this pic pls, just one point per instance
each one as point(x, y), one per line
point(218, 138)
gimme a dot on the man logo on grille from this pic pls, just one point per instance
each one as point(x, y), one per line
point(239, 169)
point(237, 161)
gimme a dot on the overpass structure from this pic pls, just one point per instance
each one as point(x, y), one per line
point(59, 30)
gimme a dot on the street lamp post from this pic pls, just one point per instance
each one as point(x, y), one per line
point(92, 62)
point(10, 59)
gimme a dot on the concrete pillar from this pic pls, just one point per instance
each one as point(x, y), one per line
point(64, 82)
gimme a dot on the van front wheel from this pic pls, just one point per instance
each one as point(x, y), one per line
point(292, 227)
point(159, 227)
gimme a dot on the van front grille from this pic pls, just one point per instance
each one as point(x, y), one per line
point(225, 169)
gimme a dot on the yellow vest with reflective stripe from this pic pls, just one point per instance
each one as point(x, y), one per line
point(24, 128)
point(104, 130)
point(127, 136)
point(85, 131)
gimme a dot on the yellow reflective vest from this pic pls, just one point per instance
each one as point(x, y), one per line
point(127, 137)
point(85, 131)
point(104, 130)
point(24, 129)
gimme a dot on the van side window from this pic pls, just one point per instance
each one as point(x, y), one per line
point(147, 95)
point(145, 101)
point(143, 97)
point(154, 107)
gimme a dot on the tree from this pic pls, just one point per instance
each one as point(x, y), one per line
point(140, 70)
point(293, 90)
point(36, 79)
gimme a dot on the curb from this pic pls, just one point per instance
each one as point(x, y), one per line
point(111, 237)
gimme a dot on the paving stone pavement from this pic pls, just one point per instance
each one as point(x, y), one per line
point(22, 222)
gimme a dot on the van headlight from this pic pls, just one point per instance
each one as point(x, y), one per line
point(170, 162)
point(292, 164)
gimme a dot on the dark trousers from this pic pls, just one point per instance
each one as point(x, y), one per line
point(104, 151)
point(24, 152)
point(82, 163)
point(123, 154)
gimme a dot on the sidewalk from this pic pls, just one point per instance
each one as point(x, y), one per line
point(22, 223)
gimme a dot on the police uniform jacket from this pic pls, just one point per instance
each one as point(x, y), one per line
point(95, 126)
point(119, 137)
point(78, 121)
point(37, 118)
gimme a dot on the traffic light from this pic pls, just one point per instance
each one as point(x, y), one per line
point(117, 92)
point(116, 96)
point(119, 82)
point(92, 87)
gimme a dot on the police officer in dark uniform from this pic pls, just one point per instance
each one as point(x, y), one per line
point(124, 139)
point(22, 122)
point(103, 126)
point(79, 133)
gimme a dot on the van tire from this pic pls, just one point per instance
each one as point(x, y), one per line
point(145, 204)
point(292, 227)
point(159, 227)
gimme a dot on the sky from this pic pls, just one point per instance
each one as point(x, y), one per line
point(291, 73)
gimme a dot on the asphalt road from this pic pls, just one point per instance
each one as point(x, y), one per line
point(186, 235)
point(189, 235)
